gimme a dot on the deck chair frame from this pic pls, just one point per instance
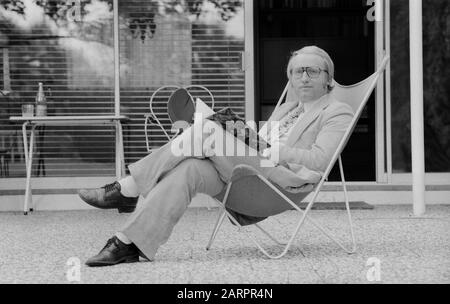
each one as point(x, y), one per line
point(336, 157)
point(152, 118)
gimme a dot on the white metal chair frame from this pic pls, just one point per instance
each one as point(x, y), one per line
point(373, 79)
point(151, 118)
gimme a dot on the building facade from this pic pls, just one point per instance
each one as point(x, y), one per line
point(103, 57)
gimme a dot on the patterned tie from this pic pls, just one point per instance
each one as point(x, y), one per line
point(288, 121)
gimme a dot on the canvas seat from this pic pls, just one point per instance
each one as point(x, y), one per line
point(249, 193)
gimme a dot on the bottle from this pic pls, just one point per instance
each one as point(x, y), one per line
point(41, 101)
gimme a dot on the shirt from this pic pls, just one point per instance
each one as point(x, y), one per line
point(285, 125)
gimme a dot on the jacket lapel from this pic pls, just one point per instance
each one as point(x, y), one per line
point(282, 111)
point(306, 120)
point(276, 116)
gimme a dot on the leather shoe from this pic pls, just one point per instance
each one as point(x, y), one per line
point(108, 197)
point(114, 252)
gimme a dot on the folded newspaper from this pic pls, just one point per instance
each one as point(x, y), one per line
point(234, 124)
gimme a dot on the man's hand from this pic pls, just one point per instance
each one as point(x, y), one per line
point(276, 153)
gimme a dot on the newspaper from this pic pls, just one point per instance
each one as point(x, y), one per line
point(234, 124)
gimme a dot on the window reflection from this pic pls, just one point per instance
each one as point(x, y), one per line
point(73, 57)
point(436, 52)
point(436, 49)
point(177, 43)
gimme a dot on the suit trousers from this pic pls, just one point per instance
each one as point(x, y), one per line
point(168, 183)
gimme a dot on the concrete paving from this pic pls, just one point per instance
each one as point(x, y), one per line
point(37, 249)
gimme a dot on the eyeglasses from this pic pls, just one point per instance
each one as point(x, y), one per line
point(312, 72)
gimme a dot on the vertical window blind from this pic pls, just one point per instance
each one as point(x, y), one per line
point(161, 43)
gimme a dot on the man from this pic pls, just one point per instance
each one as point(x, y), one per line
point(311, 124)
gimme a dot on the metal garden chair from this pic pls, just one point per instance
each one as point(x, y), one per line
point(180, 108)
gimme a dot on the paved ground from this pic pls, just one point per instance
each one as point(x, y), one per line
point(36, 249)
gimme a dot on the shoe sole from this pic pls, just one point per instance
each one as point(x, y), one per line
point(124, 260)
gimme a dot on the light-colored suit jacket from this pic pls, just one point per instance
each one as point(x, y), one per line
point(312, 142)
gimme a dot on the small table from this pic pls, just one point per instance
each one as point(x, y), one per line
point(35, 121)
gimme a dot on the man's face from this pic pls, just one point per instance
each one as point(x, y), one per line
point(309, 87)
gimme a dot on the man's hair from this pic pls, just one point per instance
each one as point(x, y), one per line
point(314, 50)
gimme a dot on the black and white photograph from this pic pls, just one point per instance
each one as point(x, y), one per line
point(224, 147)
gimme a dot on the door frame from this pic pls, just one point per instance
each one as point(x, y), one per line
point(382, 123)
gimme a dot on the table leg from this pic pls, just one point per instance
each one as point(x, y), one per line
point(25, 142)
point(25, 149)
point(122, 152)
point(30, 159)
point(120, 157)
point(28, 164)
point(117, 154)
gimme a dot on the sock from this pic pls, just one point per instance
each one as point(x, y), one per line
point(123, 238)
point(128, 187)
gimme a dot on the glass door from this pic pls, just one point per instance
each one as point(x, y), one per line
point(436, 48)
point(344, 31)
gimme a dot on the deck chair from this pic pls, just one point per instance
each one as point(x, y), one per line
point(180, 108)
point(262, 195)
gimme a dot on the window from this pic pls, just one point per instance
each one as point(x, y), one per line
point(185, 42)
point(74, 59)
point(177, 43)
